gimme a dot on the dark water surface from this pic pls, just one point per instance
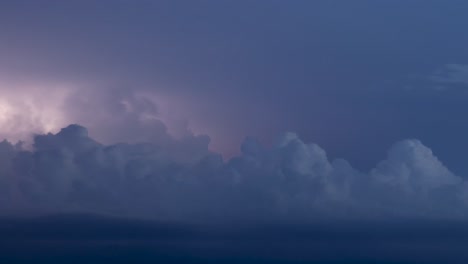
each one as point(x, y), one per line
point(91, 239)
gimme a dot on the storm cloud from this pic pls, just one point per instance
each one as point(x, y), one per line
point(165, 92)
point(181, 179)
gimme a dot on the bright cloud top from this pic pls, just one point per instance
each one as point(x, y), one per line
point(27, 109)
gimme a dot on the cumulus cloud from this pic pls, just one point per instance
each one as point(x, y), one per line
point(182, 180)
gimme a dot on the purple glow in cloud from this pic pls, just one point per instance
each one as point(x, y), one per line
point(112, 115)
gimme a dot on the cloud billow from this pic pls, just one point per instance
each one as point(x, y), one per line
point(182, 180)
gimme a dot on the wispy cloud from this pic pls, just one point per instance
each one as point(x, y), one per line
point(451, 74)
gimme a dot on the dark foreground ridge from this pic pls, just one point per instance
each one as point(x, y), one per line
point(96, 239)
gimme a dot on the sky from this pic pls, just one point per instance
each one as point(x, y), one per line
point(353, 77)
point(236, 114)
point(299, 103)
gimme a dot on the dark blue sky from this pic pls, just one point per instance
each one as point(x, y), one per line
point(352, 76)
